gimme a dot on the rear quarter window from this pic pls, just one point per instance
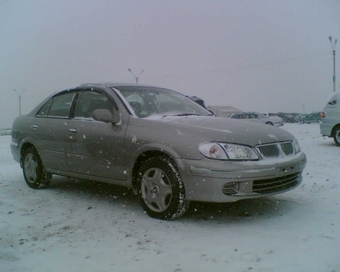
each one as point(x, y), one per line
point(57, 106)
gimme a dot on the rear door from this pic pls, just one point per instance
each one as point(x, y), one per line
point(50, 130)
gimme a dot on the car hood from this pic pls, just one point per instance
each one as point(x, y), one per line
point(274, 118)
point(209, 128)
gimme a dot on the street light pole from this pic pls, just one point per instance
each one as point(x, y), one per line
point(136, 77)
point(19, 95)
point(333, 47)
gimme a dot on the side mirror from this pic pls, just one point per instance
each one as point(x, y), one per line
point(106, 116)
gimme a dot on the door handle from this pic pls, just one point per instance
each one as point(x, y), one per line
point(34, 127)
point(72, 131)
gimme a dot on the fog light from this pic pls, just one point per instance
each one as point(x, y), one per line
point(231, 188)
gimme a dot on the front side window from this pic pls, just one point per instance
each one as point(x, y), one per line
point(89, 101)
point(58, 106)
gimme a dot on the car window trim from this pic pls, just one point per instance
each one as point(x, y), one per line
point(92, 89)
point(49, 107)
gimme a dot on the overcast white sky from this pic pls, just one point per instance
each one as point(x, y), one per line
point(254, 55)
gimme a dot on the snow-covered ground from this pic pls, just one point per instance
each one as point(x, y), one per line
point(87, 226)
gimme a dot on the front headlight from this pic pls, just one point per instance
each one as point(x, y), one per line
point(296, 146)
point(223, 151)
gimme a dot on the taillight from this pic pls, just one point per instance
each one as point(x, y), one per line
point(323, 115)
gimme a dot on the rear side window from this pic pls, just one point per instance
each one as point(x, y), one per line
point(58, 106)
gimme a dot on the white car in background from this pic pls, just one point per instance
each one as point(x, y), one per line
point(259, 118)
point(330, 125)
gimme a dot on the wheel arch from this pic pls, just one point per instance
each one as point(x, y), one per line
point(335, 134)
point(161, 204)
point(23, 149)
point(143, 157)
point(334, 128)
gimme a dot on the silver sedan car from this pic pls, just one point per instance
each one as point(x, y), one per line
point(259, 118)
point(166, 147)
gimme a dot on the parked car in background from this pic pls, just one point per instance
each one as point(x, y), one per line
point(166, 147)
point(287, 117)
point(330, 125)
point(314, 117)
point(198, 100)
point(259, 118)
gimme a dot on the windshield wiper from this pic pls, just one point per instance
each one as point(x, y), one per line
point(183, 114)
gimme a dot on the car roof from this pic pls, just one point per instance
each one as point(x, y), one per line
point(115, 84)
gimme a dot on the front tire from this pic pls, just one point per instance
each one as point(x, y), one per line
point(161, 189)
point(34, 172)
point(336, 135)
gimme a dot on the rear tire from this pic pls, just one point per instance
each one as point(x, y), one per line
point(336, 135)
point(161, 189)
point(34, 172)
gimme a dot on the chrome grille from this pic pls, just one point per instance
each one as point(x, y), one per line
point(266, 186)
point(287, 148)
point(269, 150)
point(276, 149)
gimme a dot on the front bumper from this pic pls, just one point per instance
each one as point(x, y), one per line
point(226, 181)
point(15, 151)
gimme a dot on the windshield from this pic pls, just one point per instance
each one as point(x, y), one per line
point(150, 101)
point(263, 115)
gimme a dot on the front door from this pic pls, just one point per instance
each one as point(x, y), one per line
point(97, 148)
